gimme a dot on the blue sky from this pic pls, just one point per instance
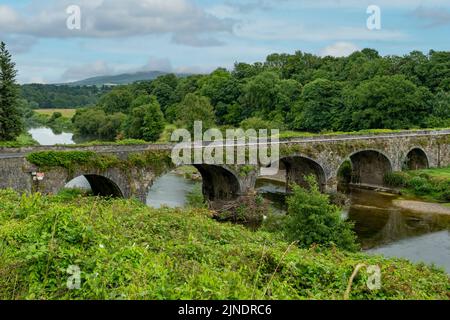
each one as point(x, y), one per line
point(119, 36)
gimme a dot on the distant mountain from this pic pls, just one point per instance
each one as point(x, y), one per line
point(119, 79)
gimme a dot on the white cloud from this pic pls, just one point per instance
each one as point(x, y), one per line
point(157, 64)
point(97, 68)
point(188, 23)
point(339, 49)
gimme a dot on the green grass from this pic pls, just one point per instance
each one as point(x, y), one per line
point(128, 251)
point(429, 184)
point(24, 140)
point(297, 134)
point(440, 173)
point(66, 113)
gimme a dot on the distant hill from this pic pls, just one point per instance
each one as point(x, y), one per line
point(119, 79)
point(80, 93)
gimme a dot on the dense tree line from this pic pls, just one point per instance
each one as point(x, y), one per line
point(47, 96)
point(291, 92)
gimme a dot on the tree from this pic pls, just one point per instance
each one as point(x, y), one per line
point(11, 125)
point(95, 123)
point(256, 124)
point(320, 106)
point(163, 88)
point(440, 115)
point(195, 108)
point(145, 122)
point(260, 93)
point(388, 102)
point(118, 100)
point(313, 220)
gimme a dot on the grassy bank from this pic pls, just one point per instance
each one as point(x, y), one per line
point(24, 140)
point(430, 184)
point(128, 251)
point(66, 113)
point(59, 120)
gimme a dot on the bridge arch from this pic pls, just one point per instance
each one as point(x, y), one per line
point(416, 159)
point(219, 183)
point(297, 167)
point(370, 166)
point(99, 185)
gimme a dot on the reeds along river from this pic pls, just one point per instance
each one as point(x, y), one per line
point(382, 228)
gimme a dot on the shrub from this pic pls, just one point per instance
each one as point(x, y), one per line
point(396, 179)
point(420, 185)
point(249, 210)
point(345, 172)
point(195, 198)
point(312, 219)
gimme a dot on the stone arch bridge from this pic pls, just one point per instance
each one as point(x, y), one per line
point(136, 167)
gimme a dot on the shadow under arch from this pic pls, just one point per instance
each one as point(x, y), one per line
point(369, 167)
point(219, 183)
point(298, 167)
point(416, 159)
point(99, 185)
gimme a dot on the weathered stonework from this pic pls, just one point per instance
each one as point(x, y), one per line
point(372, 156)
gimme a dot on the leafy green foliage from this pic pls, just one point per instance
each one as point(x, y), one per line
point(24, 140)
point(321, 106)
point(195, 198)
point(300, 91)
point(388, 102)
point(95, 123)
point(128, 251)
point(313, 220)
point(42, 96)
point(432, 184)
point(145, 122)
point(158, 161)
point(11, 124)
point(64, 159)
point(195, 108)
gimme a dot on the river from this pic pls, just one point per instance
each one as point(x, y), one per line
point(382, 228)
point(46, 136)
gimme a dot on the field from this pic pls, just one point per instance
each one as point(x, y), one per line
point(125, 250)
point(67, 113)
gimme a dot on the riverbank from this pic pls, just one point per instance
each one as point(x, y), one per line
point(432, 185)
point(422, 207)
point(128, 251)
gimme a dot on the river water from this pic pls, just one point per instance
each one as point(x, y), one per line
point(382, 228)
point(46, 136)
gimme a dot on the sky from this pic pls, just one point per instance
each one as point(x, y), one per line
point(197, 36)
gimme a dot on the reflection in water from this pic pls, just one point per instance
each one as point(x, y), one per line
point(379, 222)
point(79, 183)
point(46, 137)
point(170, 190)
point(385, 229)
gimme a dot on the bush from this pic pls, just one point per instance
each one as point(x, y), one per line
point(313, 220)
point(420, 185)
point(249, 211)
point(195, 198)
point(396, 179)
